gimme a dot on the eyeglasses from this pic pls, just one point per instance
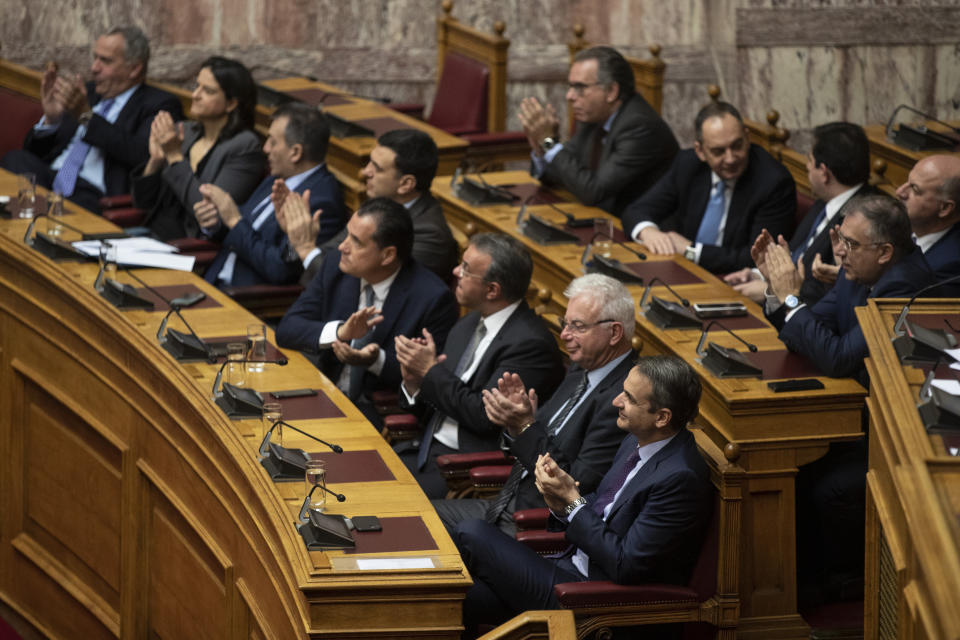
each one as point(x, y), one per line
point(853, 245)
point(465, 272)
point(580, 88)
point(577, 326)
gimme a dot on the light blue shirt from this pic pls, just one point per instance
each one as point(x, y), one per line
point(93, 164)
point(540, 164)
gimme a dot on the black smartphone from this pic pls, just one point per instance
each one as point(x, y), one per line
point(366, 523)
point(188, 300)
point(293, 393)
point(800, 384)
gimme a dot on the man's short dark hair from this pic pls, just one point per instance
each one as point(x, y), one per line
point(674, 386)
point(510, 264)
point(611, 67)
point(417, 155)
point(888, 221)
point(136, 46)
point(843, 148)
point(716, 109)
point(307, 127)
point(394, 225)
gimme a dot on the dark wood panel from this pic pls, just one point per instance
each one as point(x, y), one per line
point(847, 26)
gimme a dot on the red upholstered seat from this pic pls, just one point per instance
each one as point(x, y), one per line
point(804, 202)
point(20, 113)
point(460, 104)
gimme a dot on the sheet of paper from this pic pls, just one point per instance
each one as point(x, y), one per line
point(385, 564)
point(950, 386)
point(135, 258)
point(953, 353)
point(92, 247)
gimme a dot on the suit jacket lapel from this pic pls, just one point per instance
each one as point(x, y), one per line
point(393, 305)
point(648, 468)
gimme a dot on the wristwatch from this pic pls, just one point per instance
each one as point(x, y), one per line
point(85, 117)
point(547, 143)
point(690, 253)
point(573, 505)
point(791, 301)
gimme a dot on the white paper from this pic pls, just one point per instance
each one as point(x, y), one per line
point(950, 386)
point(92, 247)
point(955, 365)
point(156, 259)
point(385, 564)
point(954, 451)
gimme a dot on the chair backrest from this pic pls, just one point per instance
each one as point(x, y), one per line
point(20, 113)
point(485, 49)
point(704, 577)
point(460, 105)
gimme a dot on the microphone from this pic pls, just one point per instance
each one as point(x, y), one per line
point(122, 295)
point(639, 254)
point(53, 248)
point(703, 338)
point(305, 509)
point(218, 392)
point(646, 292)
point(266, 437)
point(185, 348)
point(283, 463)
point(898, 327)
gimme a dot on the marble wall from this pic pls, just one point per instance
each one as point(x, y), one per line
point(812, 60)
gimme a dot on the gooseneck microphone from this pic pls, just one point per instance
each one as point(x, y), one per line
point(217, 391)
point(646, 292)
point(305, 509)
point(898, 327)
point(264, 444)
point(33, 224)
point(703, 338)
point(639, 254)
point(197, 341)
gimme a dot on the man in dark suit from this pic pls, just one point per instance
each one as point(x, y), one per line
point(621, 145)
point(91, 137)
point(931, 195)
point(501, 334)
point(838, 168)
point(401, 167)
point(645, 522)
point(716, 198)
point(578, 426)
point(370, 292)
point(255, 248)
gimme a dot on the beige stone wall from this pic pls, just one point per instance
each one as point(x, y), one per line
point(813, 60)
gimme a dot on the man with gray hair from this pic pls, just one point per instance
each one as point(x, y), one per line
point(578, 426)
point(502, 333)
point(621, 145)
point(92, 136)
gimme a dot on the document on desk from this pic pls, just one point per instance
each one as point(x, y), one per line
point(140, 252)
point(950, 386)
point(384, 564)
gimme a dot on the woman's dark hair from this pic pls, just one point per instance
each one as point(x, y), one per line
point(237, 84)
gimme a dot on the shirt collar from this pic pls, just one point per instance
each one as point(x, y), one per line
point(836, 203)
point(409, 204)
point(927, 241)
point(647, 451)
point(714, 179)
point(495, 321)
point(295, 181)
point(382, 288)
point(120, 100)
point(596, 375)
point(609, 122)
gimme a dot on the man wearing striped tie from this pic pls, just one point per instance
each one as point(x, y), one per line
point(644, 523)
point(578, 425)
point(91, 136)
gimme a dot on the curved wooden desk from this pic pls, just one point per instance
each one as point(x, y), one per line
point(768, 434)
point(132, 507)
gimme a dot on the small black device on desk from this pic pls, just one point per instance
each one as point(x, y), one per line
point(719, 309)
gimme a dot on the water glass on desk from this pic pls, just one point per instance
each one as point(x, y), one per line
point(316, 474)
point(235, 373)
point(55, 212)
point(602, 237)
point(257, 347)
point(27, 194)
point(272, 413)
point(108, 263)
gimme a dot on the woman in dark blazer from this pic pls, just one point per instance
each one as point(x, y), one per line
point(217, 146)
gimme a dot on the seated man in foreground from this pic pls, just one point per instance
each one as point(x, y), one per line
point(255, 248)
point(716, 198)
point(577, 427)
point(645, 522)
point(368, 292)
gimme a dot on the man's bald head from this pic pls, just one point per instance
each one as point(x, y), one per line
point(931, 194)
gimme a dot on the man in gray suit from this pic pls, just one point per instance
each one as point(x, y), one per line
point(401, 168)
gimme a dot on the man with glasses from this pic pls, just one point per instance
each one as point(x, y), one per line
point(578, 426)
point(716, 198)
point(502, 333)
point(621, 145)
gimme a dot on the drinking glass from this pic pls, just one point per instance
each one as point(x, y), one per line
point(234, 372)
point(108, 263)
point(603, 233)
point(272, 413)
point(316, 474)
point(27, 194)
point(257, 347)
point(54, 211)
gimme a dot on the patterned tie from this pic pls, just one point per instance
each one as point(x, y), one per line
point(355, 388)
point(465, 361)
point(709, 230)
point(66, 179)
point(802, 248)
point(512, 485)
point(607, 496)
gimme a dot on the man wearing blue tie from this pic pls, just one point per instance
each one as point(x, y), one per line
point(644, 523)
point(838, 167)
point(256, 250)
point(716, 197)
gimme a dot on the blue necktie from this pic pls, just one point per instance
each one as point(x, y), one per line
point(607, 496)
point(709, 230)
point(801, 249)
point(355, 387)
point(66, 179)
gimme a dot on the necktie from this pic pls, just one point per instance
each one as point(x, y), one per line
point(709, 231)
point(465, 361)
point(66, 179)
point(596, 153)
point(512, 485)
point(802, 248)
point(355, 387)
point(607, 496)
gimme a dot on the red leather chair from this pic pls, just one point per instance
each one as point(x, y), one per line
point(20, 113)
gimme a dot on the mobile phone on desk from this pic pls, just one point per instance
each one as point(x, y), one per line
point(719, 309)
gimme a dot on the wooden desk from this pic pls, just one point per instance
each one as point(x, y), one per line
point(131, 506)
point(913, 493)
point(899, 160)
point(767, 434)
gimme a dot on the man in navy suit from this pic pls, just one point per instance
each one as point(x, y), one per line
point(716, 198)
point(644, 523)
point(578, 425)
point(501, 334)
point(256, 250)
point(91, 137)
point(371, 292)
point(931, 195)
point(838, 168)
